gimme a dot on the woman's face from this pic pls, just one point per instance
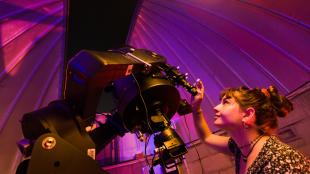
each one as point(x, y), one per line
point(228, 114)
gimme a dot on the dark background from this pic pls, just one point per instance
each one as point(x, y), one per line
point(98, 24)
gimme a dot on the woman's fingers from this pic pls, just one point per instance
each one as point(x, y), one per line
point(196, 100)
point(199, 86)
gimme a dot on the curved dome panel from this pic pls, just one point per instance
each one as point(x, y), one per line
point(229, 43)
point(31, 62)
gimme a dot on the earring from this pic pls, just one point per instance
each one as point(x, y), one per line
point(245, 125)
point(248, 121)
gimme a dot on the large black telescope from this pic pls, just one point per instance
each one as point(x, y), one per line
point(136, 87)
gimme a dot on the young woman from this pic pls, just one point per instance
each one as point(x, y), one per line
point(250, 118)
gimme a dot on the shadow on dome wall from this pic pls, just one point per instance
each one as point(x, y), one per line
point(31, 34)
point(9, 34)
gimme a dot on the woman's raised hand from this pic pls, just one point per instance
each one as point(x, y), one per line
point(197, 99)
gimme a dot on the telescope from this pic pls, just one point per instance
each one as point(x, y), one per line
point(138, 90)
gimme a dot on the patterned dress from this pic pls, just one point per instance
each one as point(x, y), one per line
point(274, 157)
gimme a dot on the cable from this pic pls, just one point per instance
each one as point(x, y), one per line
point(147, 120)
point(145, 146)
point(151, 169)
point(146, 111)
point(190, 139)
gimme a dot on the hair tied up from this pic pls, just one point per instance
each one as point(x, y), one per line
point(265, 92)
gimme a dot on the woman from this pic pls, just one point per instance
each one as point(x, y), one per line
point(250, 118)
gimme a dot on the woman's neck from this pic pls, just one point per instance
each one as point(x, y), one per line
point(250, 143)
point(244, 137)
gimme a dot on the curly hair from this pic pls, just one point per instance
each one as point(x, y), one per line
point(268, 105)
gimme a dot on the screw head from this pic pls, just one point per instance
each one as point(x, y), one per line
point(48, 143)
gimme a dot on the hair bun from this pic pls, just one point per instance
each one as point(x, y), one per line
point(287, 107)
point(282, 106)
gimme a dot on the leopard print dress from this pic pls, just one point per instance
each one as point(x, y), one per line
point(274, 157)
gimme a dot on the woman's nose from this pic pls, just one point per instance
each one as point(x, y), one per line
point(216, 108)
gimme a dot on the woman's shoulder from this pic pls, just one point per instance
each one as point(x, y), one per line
point(283, 157)
point(279, 148)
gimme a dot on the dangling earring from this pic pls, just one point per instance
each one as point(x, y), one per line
point(245, 125)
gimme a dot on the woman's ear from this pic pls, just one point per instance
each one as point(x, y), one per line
point(249, 118)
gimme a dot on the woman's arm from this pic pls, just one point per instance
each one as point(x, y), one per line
point(220, 143)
